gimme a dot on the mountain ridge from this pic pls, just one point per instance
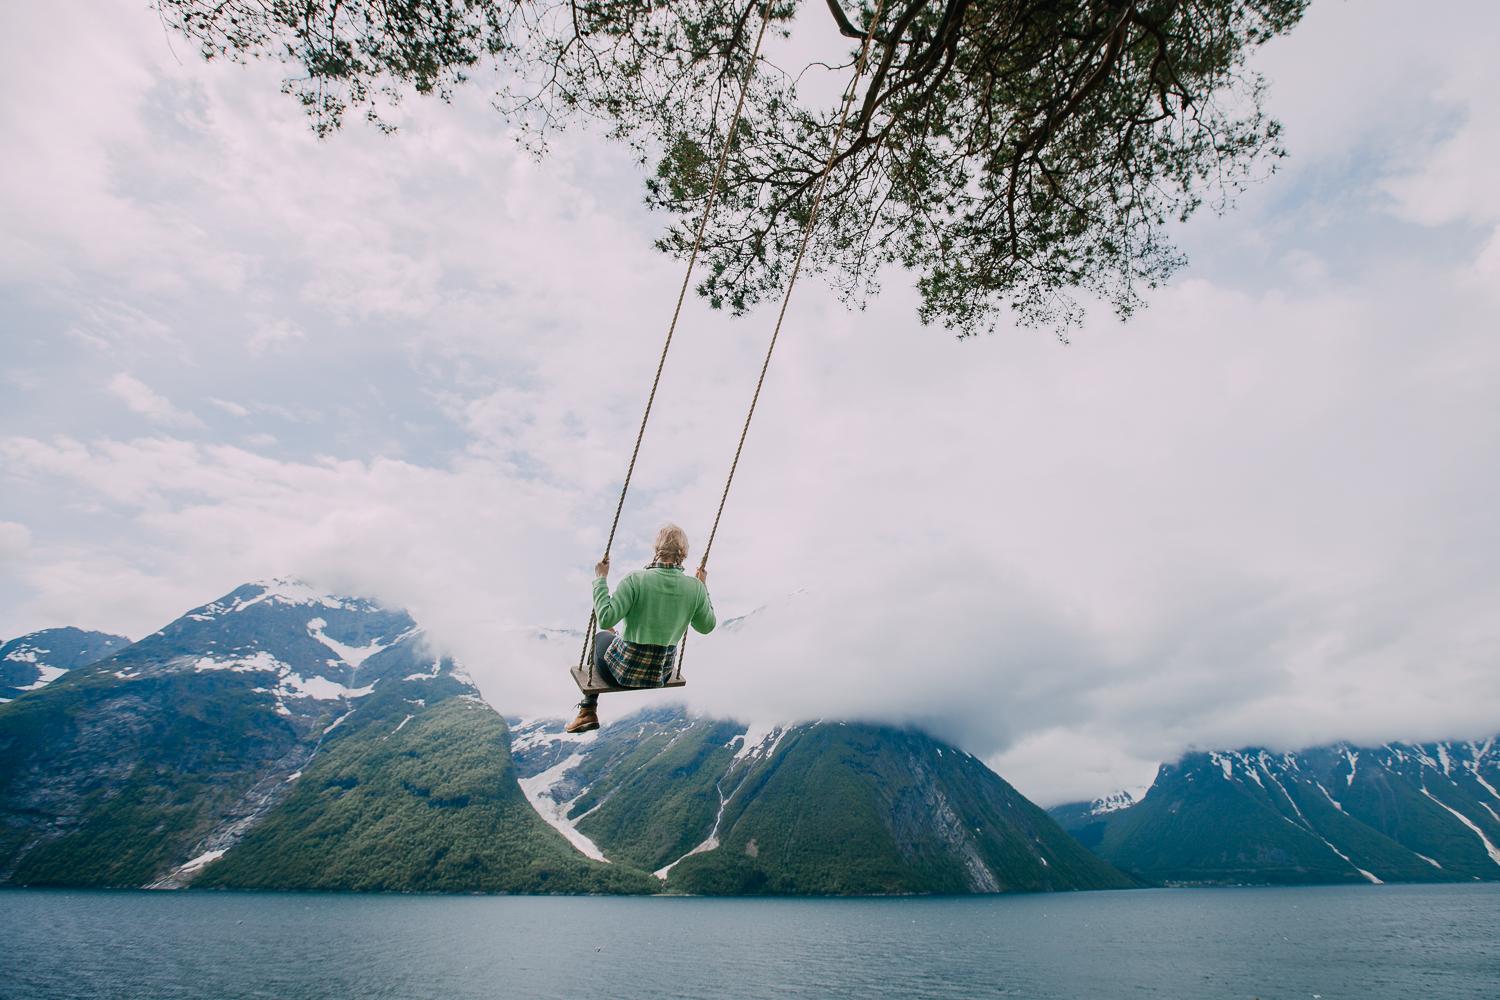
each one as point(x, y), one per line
point(1393, 812)
point(282, 738)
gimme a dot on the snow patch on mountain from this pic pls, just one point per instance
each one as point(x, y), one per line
point(758, 742)
point(32, 661)
point(287, 591)
point(1331, 800)
point(1489, 847)
point(1443, 758)
point(1474, 770)
point(1367, 875)
point(352, 655)
point(48, 674)
point(437, 667)
point(533, 734)
point(337, 722)
point(539, 791)
point(258, 660)
point(320, 688)
point(290, 684)
point(1113, 802)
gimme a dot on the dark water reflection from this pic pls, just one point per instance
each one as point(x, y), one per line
point(1342, 942)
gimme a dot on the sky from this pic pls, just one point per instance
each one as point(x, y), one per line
point(410, 366)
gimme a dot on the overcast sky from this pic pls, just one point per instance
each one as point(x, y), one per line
point(410, 366)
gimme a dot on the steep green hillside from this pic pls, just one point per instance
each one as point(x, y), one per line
point(426, 802)
point(823, 808)
point(104, 783)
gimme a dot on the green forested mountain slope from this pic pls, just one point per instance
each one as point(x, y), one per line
point(424, 801)
point(152, 766)
point(815, 808)
point(1392, 813)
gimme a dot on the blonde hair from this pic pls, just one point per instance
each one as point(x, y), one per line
point(671, 544)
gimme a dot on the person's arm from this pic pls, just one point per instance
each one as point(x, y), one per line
point(703, 619)
point(611, 610)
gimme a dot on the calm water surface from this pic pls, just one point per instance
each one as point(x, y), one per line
point(1343, 942)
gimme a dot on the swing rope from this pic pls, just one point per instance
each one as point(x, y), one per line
point(708, 205)
point(860, 64)
point(807, 231)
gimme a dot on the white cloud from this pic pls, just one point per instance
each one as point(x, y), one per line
point(273, 338)
point(1449, 177)
point(1451, 180)
point(230, 407)
point(1198, 544)
point(15, 539)
point(140, 398)
point(1486, 270)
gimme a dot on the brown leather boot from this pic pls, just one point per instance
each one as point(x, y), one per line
point(586, 720)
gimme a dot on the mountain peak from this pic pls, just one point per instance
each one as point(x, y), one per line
point(36, 659)
point(286, 590)
point(1113, 802)
point(305, 652)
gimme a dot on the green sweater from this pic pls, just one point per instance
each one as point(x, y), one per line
point(657, 605)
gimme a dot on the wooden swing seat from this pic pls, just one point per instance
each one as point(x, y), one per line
point(600, 685)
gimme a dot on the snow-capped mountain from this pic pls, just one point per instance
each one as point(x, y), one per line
point(306, 650)
point(1077, 814)
point(32, 661)
point(1393, 812)
point(145, 766)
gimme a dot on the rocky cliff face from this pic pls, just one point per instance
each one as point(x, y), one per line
point(1398, 812)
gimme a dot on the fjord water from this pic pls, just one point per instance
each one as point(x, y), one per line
point(1328, 942)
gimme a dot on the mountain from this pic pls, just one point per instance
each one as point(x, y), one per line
point(275, 737)
point(34, 660)
point(1085, 820)
point(1398, 812)
point(281, 738)
point(711, 806)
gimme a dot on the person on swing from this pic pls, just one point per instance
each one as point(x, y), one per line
point(657, 604)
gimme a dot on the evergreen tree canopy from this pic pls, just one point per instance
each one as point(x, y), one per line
point(1004, 151)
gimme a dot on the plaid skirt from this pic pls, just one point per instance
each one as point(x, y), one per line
point(636, 664)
